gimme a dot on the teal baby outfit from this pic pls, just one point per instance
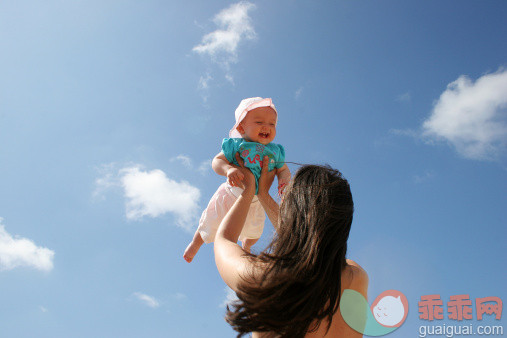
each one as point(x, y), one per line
point(252, 154)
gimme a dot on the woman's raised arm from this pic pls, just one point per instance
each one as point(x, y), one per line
point(229, 256)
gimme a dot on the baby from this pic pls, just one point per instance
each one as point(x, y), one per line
point(251, 137)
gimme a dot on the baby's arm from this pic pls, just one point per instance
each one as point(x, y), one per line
point(284, 176)
point(224, 168)
point(220, 164)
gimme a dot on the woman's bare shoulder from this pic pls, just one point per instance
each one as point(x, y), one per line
point(353, 277)
point(356, 267)
point(357, 277)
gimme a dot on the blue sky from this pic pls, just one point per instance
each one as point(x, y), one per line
point(110, 112)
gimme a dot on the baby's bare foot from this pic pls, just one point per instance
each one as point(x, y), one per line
point(246, 247)
point(248, 243)
point(193, 247)
point(191, 251)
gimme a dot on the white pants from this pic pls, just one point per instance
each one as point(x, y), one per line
point(220, 204)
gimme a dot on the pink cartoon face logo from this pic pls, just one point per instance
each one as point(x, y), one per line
point(390, 308)
point(388, 312)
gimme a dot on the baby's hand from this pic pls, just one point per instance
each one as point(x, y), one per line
point(235, 177)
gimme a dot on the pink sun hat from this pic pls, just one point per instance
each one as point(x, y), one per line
point(245, 106)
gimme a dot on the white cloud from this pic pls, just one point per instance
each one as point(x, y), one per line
point(43, 309)
point(152, 193)
point(229, 298)
point(472, 116)
point(234, 26)
point(147, 300)
point(17, 252)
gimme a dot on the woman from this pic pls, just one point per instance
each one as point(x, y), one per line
point(292, 289)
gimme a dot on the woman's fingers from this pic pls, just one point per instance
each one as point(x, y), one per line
point(240, 160)
point(245, 177)
point(236, 180)
point(239, 177)
point(267, 177)
point(265, 167)
point(265, 164)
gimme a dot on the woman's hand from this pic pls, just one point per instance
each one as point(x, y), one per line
point(235, 177)
point(267, 177)
point(248, 177)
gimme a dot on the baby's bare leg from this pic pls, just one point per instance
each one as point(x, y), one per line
point(193, 247)
point(248, 243)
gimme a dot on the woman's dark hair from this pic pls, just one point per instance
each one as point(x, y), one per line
point(300, 282)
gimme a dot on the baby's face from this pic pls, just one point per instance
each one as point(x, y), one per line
point(259, 125)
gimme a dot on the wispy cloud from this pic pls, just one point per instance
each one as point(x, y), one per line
point(230, 296)
point(428, 175)
point(179, 296)
point(152, 193)
point(20, 252)
point(298, 92)
point(472, 116)
point(203, 86)
point(229, 78)
point(147, 300)
point(184, 159)
point(234, 25)
point(204, 80)
point(406, 97)
point(106, 180)
point(203, 168)
point(405, 132)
